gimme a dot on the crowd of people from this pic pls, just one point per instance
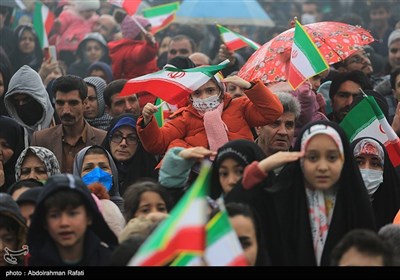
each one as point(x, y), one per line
point(86, 175)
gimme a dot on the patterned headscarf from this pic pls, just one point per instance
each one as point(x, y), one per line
point(45, 155)
point(369, 147)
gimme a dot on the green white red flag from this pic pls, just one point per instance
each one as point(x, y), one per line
point(172, 84)
point(367, 119)
point(130, 6)
point(43, 20)
point(223, 246)
point(235, 41)
point(306, 60)
point(184, 229)
point(161, 16)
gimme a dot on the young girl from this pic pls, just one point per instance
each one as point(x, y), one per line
point(212, 119)
point(67, 227)
point(380, 178)
point(144, 198)
point(318, 197)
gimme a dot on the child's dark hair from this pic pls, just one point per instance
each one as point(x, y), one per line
point(12, 226)
point(29, 183)
point(134, 192)
point(65, 199)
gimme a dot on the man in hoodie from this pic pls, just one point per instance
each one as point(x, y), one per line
point(28, 103)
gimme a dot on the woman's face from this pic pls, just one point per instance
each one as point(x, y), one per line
point(5, 151)
point(368, 161)
point(93, 51)
point(150, 202)
point(322, 163)
point(230, 172)
point(123, 143)
point(27, 42)
point(92, 161)
point(33, 168)
point(246, 234)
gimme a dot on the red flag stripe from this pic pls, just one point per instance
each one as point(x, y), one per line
point(236, 44)
point(185, 240)
point(393, 150)
point(296, 78)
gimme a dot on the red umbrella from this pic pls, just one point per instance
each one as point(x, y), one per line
point(335, 40)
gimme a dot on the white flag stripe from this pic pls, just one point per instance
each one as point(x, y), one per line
point(159, 20)
point(302, 63)
point(221, 252)
point(372, 129)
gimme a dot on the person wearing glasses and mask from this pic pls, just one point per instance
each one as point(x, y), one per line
point(130, 158)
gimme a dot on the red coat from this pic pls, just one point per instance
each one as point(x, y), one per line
point(186, 128)
point(131, 58)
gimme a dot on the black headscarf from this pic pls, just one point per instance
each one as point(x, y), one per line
point(140, 165)
point(243, 151)
point(34, 59)
point(285, 212)
point(386, 200)
point(13, 133)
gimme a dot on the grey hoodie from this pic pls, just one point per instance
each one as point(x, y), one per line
point(27, 81)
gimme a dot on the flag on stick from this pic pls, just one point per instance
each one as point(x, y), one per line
point(235, 41)
point(184, 229)
point(306, 60)
point(172, 84)
point(43, 20)
point(130, 6)
point(367, 119)
point(161, 16)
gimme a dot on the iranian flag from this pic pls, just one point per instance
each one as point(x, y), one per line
point(161, 16)
point(223, 247)
point(130, 6)
point(235, 41)
point(172, 84)
point(183, 230)
point(306, 60)
point(367, 119)
point(43, 20)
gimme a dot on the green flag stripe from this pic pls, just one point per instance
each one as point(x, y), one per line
point(304, 42)
point(38, 22)
point(160, 10)
point(357, 119)
point(217, 227)
point(375, 107)
point(206, 70)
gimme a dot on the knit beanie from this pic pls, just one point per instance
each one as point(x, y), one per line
point(87, 5)
point(130, 29)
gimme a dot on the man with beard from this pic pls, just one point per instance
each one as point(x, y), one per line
point(344, 89)
point(74, 133)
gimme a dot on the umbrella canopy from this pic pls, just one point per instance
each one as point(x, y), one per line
point(13, 4)
point(335, 40)
point(225, 12)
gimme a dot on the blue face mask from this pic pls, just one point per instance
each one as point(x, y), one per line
point(100, 176)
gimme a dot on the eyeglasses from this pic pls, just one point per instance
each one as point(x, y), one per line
point(130, 139)
point(358, 58)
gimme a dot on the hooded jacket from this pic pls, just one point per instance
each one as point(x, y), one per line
point(42, 248)
point(28, 82)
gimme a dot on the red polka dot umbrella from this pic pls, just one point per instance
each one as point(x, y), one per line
point(335, 40)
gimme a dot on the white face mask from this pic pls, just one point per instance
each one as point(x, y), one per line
point(206, 104)
point(372, 179)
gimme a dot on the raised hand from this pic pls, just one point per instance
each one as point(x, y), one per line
point(278, 159)
point(197, 153)
point(148, 110)
point(236, 80)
